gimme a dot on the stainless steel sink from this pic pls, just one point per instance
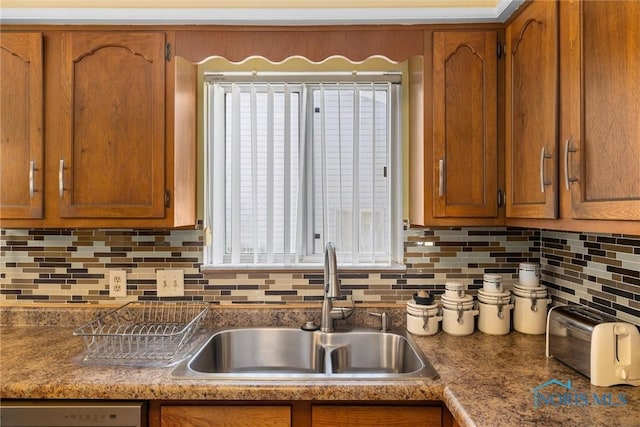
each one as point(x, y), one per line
point(288, 353)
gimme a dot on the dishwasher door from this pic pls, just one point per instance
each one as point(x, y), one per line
point(66, 413)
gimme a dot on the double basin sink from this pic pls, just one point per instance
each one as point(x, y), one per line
point(296, 354)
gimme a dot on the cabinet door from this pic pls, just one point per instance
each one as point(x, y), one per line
point(465, 124)
point(374, 416)
point(600, 47)
point(229, 416)
point(112, 159)
point(21, 121)
point(532, 113)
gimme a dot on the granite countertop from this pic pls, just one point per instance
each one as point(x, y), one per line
point(484, 380)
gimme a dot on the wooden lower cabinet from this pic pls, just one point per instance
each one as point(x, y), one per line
point(222, 415)
point(298, 414)
point(374, 416)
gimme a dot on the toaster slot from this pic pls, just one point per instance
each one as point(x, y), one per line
point(585, 318)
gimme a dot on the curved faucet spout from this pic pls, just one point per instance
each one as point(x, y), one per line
point(331, 280)
point(331, 291)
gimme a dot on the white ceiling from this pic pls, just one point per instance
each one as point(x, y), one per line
point(247, 4)
point(255, 12)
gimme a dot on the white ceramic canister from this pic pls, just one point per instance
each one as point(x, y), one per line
point(423, 319)
point(458, 316)
point(529, 274)
point(530, 309)
point(495, 312)
point(492, 283)
point(454, 290)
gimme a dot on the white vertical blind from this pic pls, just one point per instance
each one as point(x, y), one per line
point(301, 170)
point(323, 168)
point(216, 201)
point(270, 173)
point(254, 169)
point(341, 204)
point(235, 213)
point(355, 217)
point(373, 173)
point(303, 217)
point(287, 175)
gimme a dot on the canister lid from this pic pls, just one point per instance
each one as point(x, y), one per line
point(530, 291)
point(454, 286)
point(463, 299)
point(465, 302)
point(529, 266)
point(412, 304)
point(493, 297)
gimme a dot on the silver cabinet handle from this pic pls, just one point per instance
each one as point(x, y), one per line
point(543, 155)
point(32, 169)
point(568, 148)
point(441, 177)
point(61, 178)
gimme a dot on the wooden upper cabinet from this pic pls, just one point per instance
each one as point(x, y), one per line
point(21, 121)
point(112, 159)
point(600, 46)
point(465, 145)
point(531, 100)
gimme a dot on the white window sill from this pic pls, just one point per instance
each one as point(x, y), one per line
point(294, 268)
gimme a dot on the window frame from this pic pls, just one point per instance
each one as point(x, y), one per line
point(394, 151)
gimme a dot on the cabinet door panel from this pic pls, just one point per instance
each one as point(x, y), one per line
point(230, 416)
point(532, 113)
point(114, 97)
point(374, 416)
point(465, 124)
point(21, 120)
point(603, 47)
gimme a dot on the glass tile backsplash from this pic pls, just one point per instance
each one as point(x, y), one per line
point(71, 266)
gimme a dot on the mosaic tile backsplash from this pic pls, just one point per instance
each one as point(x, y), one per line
point(71, 266)
point(601, 271)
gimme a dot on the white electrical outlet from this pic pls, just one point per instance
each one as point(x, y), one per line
point(117, 283)
point(170, 283)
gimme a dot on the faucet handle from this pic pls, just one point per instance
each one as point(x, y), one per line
point(384, 320)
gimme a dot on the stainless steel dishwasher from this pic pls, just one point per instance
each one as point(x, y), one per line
point(68, 413)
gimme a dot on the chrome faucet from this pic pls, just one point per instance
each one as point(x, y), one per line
point(331, 291)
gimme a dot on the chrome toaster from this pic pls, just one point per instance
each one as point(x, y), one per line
point(598, 346)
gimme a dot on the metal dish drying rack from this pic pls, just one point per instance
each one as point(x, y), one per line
point(142, 332)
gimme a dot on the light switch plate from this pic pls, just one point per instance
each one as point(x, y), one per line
point(117, 283)
point(170, 283)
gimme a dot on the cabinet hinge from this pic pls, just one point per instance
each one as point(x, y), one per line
point(500, 49)
point(167, 199)
point(167, 51)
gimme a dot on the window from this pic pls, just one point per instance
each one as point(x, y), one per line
point(294, 161)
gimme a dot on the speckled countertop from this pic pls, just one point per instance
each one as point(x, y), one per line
point(484, 380)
